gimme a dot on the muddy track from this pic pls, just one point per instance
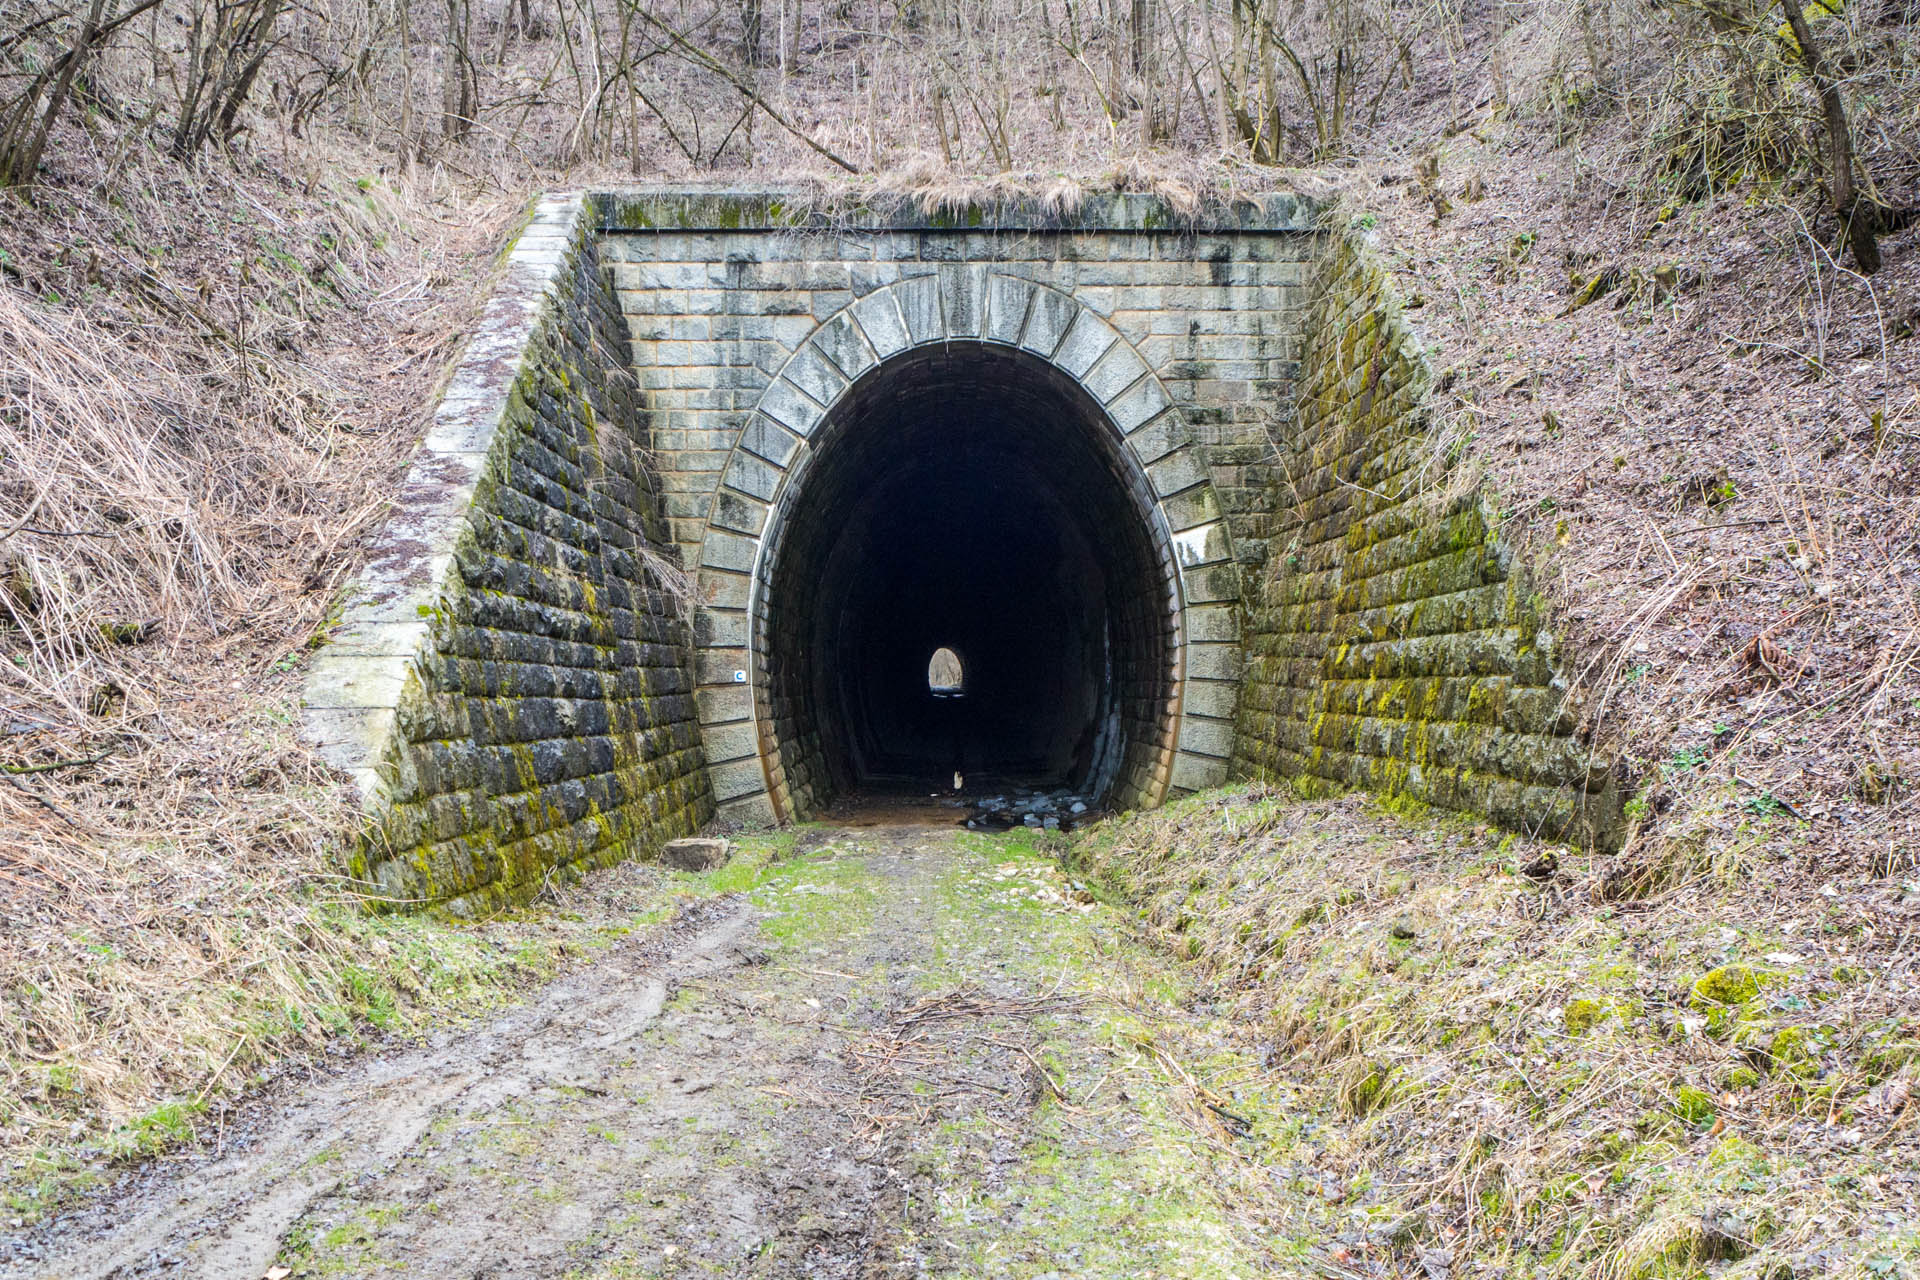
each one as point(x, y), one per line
point(229, 1216)
point(862, 1069)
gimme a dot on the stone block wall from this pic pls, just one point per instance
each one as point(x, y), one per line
point(741, 308)
point(513, 682)
point(515, 690)
point(1391, 642)
point(719, 294)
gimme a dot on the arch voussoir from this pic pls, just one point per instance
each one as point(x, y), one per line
point(1153, 448)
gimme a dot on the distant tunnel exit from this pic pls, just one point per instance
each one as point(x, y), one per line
point(966, 577)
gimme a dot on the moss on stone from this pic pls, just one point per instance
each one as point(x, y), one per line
point(1796, 1050)
point(1582, 1015)
point(1418, 691)
point(508, 764)
point(1731, 986)
point(1694, 1105)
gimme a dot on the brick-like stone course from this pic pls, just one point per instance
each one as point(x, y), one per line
point(1392, 643)
point(751, 320)
point(544, 715)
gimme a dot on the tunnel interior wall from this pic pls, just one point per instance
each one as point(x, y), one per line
point(969, 496)
point(1392, 641)
point(513, 683)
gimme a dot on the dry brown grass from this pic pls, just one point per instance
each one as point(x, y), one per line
point(212, 373)
point(191, 456)
point(936, 188)
point(138, 514)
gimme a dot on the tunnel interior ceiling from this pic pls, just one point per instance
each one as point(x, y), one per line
point(967, 497)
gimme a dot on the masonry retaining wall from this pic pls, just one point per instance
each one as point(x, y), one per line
point(515, 690)
point(1392, 643)
point(512, 685)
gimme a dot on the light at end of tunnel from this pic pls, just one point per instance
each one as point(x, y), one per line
point(945, 676)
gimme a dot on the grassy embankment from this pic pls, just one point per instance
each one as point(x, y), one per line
point(1697, 1056)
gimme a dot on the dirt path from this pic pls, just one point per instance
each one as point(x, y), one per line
point(907, 1052)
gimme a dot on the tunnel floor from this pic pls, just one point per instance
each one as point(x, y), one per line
point(966, 579)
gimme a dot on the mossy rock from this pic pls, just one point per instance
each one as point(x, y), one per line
point(1619, 1143)
point(1742, 1077)
point(1797, 1050)
point(1659, 1123)
point(1583, 1015)
point(1676, 1246)
point(1694, 1106)
point(1731, 986)
point(1889, 1060)
point(1891, 1046)
point(1770, 1047)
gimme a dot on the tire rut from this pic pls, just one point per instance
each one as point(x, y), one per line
point(906, 1055)
point(228, 1215)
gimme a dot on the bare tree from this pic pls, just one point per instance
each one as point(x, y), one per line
point(228, 43)
point(1333, 58)
point(460, 84)
point(750, 32)
point(1859, 217)
point(28, 117)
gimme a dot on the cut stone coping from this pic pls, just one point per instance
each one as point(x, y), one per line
point(798, 209)
point(355, 681)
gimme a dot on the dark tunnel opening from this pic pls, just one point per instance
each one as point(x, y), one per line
point(971, 498)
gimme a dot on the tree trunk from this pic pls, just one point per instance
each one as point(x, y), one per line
point(26, 142)
point(1859, 219)
point(750, 38)
point(460, 98)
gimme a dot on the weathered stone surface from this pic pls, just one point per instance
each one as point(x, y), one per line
point(696, 853)
point(1391, 643)
point(1188, 340)
point(514, 690)
point(513, 684)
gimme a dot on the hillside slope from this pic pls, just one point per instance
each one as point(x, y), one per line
point(1701, 424)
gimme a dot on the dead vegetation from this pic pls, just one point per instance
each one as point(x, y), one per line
point(1698, 422)
point(1516, 1062)
point(241, 240)
point(954, 1055)
point(193, 446)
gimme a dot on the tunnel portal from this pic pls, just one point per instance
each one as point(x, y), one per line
point(739, 502)
point(969, 497)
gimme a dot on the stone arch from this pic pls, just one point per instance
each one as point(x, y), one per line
point(961, 307)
